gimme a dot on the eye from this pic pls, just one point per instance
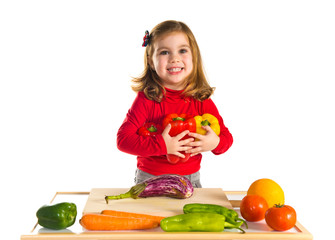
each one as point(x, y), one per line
point(183, 50)
point(164, 53)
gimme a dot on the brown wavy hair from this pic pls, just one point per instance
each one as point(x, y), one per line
point(149, 82)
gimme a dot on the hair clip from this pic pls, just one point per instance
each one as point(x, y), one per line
point(146, 39)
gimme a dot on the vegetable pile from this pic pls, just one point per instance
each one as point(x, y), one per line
point(192, 220)
point(180, 123)
point(260, 203)
point(196, 217)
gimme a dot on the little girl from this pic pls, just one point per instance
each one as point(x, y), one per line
point(173, 81)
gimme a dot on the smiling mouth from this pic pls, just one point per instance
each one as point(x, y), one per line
point(175, 69)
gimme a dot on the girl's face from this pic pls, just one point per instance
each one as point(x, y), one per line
point(172, 59)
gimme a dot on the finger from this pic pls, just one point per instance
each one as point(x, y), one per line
point(193, 154)
point(186, 141)
point(207, 128)
point(185, 149)
point(194, 144)
point(180, 155)
point(196, 135)
point(182, 134)
point(166, 130)
point(176, 154)
point(194, 151)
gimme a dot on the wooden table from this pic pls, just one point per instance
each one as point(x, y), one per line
point(258, 230)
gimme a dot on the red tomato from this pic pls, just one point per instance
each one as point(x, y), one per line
point(281, 217)
point(253, 208)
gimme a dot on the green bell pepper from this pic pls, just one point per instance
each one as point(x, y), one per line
point(197, 222)
point(230, 214)
point(57, 216)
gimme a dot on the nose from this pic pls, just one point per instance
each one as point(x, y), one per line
point(174, 58)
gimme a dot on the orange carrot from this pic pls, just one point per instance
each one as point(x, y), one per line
point(131, 214)
point(101, 222)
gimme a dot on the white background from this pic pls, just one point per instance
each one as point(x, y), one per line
point(66, 68)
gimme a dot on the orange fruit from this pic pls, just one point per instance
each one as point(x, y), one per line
point(269, 190)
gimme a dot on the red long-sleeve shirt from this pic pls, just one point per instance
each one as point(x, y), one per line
point(151, 151)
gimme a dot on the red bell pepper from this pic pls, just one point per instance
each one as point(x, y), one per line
point(150, 129)
point(179, 123)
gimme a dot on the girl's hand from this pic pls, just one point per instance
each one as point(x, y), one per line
point(204, 143)
point(174, 145)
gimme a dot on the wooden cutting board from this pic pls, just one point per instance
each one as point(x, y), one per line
point(160, 206)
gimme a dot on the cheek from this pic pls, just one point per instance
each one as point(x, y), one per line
point(161, 63)
point(189, 61)
point(190, 64)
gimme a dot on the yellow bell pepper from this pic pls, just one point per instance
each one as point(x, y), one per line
point(207, 119)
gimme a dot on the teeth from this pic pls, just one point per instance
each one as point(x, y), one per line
point(174, 69)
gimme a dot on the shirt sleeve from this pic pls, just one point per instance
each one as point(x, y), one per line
point(226, 138)
point(129, 141)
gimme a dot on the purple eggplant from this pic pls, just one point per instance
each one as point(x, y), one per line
point(168, 185)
